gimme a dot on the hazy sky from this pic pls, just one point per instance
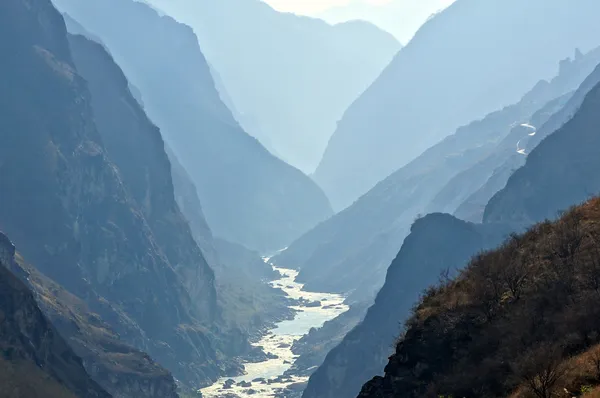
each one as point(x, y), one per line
point(314, 6)
point(399, 17)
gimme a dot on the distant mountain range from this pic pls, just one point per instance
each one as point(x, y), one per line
point(467, 61)
point(543, 281)
point(290, 78)
point(248, 196)
point(556, 175)
point(399, 17)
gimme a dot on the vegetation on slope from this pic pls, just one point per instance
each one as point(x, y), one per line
point(511, 322)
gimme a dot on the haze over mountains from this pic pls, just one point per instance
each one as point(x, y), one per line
point(248, 195)
point(401, 18)
point(290, 78)
point(445, 71)
point(142, 225)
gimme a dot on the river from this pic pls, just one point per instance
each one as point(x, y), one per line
point(266, 379)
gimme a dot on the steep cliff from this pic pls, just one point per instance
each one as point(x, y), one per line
point(248, 196)
point(136, 147)
point(466, 61)
point(35, 361)
point(72, 213)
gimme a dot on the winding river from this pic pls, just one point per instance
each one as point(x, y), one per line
point(266, 379)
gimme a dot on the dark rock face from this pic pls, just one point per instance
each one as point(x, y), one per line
point(72, 214)
point(290, 105)
point(477, 160)
point(34, 359)
point(248, 196)
point(136, 147)
point(447, 77)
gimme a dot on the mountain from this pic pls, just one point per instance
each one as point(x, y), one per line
point(363, 350)
point(400, 18)
point(505, 160)
point(35, 361)
point(554, 177)
point(120, 369)
point(535, 294)
point(441, 80)
point(248, 196)
point(289, 77)
point(334, 255)
point(90, 218)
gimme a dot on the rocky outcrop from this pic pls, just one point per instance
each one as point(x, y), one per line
point(447, 77)
point(248, 196)
point(34, 359)
point(136, 147)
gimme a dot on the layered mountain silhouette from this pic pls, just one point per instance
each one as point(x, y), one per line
point(443, 79)
point(554, 177)
point(87, 197)
point(461, 173)
point(248, 196)
point(289, 77)
point(536, 292)
point(400, 18)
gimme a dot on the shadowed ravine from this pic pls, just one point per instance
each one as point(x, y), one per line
point(267, 379)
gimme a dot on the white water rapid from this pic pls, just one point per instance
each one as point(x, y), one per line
point(264, 379)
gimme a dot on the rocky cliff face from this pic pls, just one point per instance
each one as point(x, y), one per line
point(248, 196)
point(136, 147)
point(35, 361)
point(445, 71)
point(71, 212)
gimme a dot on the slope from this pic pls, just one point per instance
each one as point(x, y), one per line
point(248, 196)
point(400, 18)
point(290, 77)
point(35, 361)
point(442, 80)
point(535, 294)
point(335, 254)
point(568, 181)
point(68, 208)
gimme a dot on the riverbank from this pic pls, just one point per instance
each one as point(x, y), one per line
point(268, 378)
